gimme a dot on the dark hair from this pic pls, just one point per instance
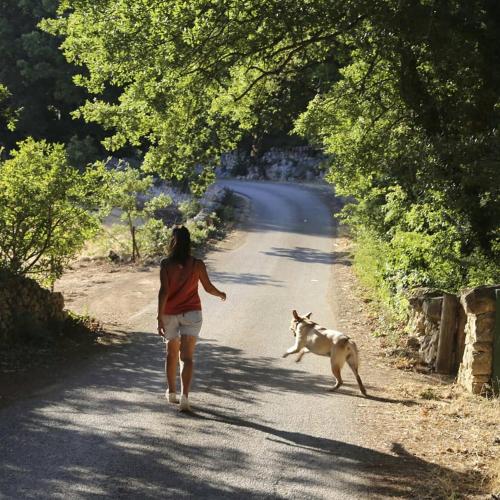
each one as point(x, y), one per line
point(180, 245)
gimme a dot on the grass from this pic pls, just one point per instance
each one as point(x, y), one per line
point(446, 426)
point(458, 431)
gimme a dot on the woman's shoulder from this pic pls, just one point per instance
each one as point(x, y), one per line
point(198, 264)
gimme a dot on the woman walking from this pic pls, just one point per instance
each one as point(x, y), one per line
point(179, 311)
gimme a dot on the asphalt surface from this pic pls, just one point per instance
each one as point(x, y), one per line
point(262, 427)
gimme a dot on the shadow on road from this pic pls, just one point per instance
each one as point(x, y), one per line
point(394, 475)
point(96, 438)
point(245, 278)
point(311, 256)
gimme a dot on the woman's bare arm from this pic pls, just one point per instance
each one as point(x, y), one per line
point(162, 298)
point(207, 284)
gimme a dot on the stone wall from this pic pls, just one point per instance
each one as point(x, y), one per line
point(20, 297)
point(477, 363)
point(423, 323)
point(278, 164)
point(471, 351)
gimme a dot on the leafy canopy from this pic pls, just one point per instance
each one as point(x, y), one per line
point(405, 96)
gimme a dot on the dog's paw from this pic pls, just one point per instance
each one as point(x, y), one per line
point(284, 355)
point(333, 389)
point(299, 359)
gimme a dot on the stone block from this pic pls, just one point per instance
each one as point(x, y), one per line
point(482, 360)
point(428, 345)
point(432, 308)
point(472, 383)
point(467, 357)
point(481, 327)
point(479, 300)
point(418, 295)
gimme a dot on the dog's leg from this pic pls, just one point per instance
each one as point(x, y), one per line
point(301, 353)
point(292, 350)
point(353, 362)
point(336, 374)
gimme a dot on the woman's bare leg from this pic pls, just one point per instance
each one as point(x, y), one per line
point(188, 344)
point(171, 360)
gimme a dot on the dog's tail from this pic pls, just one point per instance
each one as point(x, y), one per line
point(353, 362)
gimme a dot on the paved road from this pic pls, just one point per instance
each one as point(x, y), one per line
point(264, 427)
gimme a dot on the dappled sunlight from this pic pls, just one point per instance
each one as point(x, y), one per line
point(62, 443)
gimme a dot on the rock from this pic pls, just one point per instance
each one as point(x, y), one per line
point(482, 359)
point(413, 343)
point(429, 343)
point(481, 327)
point(432, 307)
point(419, 295)
point(22, 297)
point(480, 300)
point(114, 257)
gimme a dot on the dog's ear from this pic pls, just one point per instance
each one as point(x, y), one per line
point(295, 315)
point(308, 315)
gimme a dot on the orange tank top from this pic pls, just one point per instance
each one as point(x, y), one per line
point(182, 287)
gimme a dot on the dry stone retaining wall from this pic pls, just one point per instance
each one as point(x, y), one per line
point(425, 316)
point(21, 297)
point(472, 347)
point(477, 363)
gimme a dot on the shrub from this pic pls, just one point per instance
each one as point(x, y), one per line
point(46, 209)
point(126, 187)
point(189, 208)
point(154, 238)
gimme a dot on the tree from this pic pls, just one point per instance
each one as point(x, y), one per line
point(47, 209)
point(406, 100)
point(39, 79)
point(7, 115)
point(127, 191)
point(179, 63)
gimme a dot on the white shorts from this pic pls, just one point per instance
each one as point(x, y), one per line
point(188, 323)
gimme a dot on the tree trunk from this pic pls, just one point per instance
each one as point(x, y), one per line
point(135, 249)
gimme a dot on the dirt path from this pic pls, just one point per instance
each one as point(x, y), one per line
point(112, 293)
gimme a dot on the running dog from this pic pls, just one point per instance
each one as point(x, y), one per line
point(310, 337)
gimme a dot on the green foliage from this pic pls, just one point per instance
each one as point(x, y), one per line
point(154, 238)
point(189, 209)
point(7, 115)
point(126, 187)
point(194, 77)
point(412, 128)
point(45, 209)
point(372, 263)
point(202, 230)
point(404, 96)
point(41, 91)
point(82, 152)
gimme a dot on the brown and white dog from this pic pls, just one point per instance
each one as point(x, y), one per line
point(310, 337)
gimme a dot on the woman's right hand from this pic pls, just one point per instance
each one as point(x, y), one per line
point(161, 328)
point(222, 296)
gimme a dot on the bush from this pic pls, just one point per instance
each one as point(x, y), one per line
point(126, 187)
point(154, 238)
point(189, 209)
point(46, 209)
point(373, 267)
